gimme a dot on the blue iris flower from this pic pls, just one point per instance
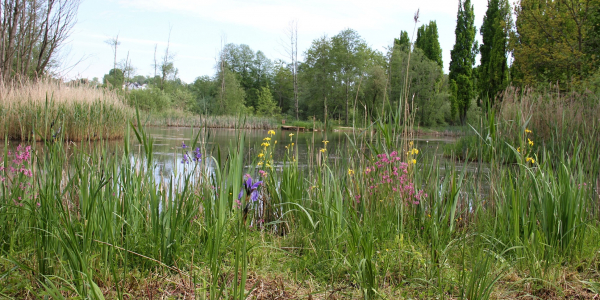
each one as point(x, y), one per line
point(251, 189)
point(197, 155)
point(185, 158)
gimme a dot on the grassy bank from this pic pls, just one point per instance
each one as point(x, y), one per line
point(381, 223)
point(48, 107)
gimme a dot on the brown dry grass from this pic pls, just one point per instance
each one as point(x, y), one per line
point(551, 111)
point(48, 107)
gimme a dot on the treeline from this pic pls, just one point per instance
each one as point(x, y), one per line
point(341, 77)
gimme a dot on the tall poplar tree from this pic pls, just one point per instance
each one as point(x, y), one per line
point(493, 70)
point(463, 57)
point(428, 41)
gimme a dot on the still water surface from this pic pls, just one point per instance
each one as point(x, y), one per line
point(168, 151)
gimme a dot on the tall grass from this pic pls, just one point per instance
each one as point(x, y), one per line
point(178, 118)
point(381, 223)
point(47, 107)
point(380, 218)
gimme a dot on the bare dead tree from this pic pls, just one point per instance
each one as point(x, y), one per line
point(292, 51)
point(222, 66)
point(155, 62)
point(32, 33)
point(114, 43)
point(167, 66)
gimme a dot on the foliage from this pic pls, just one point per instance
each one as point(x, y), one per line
point(428, 41)
point(230, 100)
point(266, 105)
point(549, 43)
point(114, 79)
point(149, 99)
point(463, 57)
point(495, 31)
point(427, 96)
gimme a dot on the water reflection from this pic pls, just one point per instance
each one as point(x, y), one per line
point(168, 152)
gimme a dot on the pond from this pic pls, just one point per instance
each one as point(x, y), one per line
point(168, 152)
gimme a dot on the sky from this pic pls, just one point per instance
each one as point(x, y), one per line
point(195, 30)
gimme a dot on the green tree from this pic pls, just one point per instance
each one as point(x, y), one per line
point(463, 57)
point(495, 31)
point(428, 41)
point(204, 90)
point(266, 105)
point(550, 41)
point(283, 87)
point(316, 80)
point(349, 55)
point(230, 98)
point(397, 69)
point(453, 91)
point(403, 42)
point(427, 97)
point(114, 79)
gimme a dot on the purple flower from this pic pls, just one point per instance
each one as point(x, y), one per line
point(185, 158)
point(197, 155)
point(183, 145)
point(251, 188)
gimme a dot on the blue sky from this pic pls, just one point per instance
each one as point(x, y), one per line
point(198, 28)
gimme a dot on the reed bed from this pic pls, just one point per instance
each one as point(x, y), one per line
point(46, 108)
point(178, 118)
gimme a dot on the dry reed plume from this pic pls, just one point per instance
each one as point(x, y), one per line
point(48, 108)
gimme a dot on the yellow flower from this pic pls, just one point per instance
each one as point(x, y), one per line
point(292, 144)
point(519, 149)
point(350, 172)
point(414, 151)
point(271, 132)
point(527, 130)
point(291, 134)
point(267, 139)
point(275, 142)
point(325, 142)
point(286, 147)
point(259, 164)
point(410, 144)
point(268, 165)
point(529, 159)
point(530, 142)
point(323, 150)
point(260, 155)
point(265, 145)
point(413, 161)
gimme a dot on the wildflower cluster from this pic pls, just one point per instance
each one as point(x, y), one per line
point(196, 156)
point(265, 157)
point(291, 146)
point(324, 146)
point(526, 151)
point(16, 176)
point(388, 178)
point(411, 154)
